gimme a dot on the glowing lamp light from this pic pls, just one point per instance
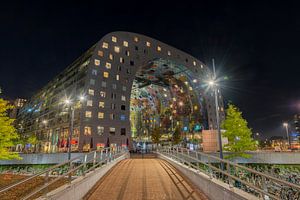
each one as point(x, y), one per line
point(195, 81)
point(67, 101)
point(211, 83)
point(285, 124)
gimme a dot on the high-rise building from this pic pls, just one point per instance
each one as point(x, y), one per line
point(295, 132)
point(18, 104)
point(122, 73)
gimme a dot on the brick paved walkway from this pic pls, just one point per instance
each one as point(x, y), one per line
point(136, 179)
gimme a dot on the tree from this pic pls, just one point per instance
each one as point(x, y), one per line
point(8, 133)
point(176, 138)
point(238, 133)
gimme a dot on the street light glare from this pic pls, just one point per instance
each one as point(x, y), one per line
point(82, 98)
point(285, 124)
point(211, 83)
point(67, 101)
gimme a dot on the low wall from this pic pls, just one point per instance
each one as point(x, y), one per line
point(212, 188)
point(81, 186)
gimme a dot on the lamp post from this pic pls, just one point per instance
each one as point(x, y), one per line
point(286, 125)
point(213, 84)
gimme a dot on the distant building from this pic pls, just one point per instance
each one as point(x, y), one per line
point(18, 104)
point(295, 132)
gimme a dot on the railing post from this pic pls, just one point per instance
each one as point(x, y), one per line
point(46, 182)
point(264, 187)
point(209, 168)
point(70, 173)
point(101, 154)
point(95, 157)
point(229, 178)
point(84, 164)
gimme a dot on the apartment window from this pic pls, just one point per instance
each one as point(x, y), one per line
point(158, 48)
point(194, 63)
point(100, 115)
point(117, 49)
point(88, 114)
point(136, 39)
point(123, 131)
point(114, 39)
point(97, 62)
point(105, 74)
point(201, 66)
point(94, 72)
point(113, 106)
point(111, 57)
point(123, 98)
point(89, 103)
point(169, 53)
point(87, 130)
point(119, 68)
point(122, 60)
point(103, 84)
point(124, 88)
point(113, 95)
point(128, 71)
point(114, 86)
point(127, 53)
point(101, 104)
point(125, 43)
point(102, 94)
point(122, 117)
point(131, 63)
point(123, 107)
point(112, 130)
point(92, 81)
point(112, 116)
point(91, 92)
point(105, 45)
point(100, 130)
point(148, 44)
point(108, 65)
point(136, 48)
point(117, 77)
point(100, 53)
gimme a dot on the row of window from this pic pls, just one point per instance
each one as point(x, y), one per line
point(101, 105)
point(103, 94)
point(88, 114)
point(100, 130)
point(106, 74)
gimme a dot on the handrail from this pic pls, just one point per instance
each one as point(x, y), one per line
point(103, 156)
point(185, 156)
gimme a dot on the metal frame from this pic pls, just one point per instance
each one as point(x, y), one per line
point(229, 173)
point(97, 158)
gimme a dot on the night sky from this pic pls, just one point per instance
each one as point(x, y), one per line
point(256, 45)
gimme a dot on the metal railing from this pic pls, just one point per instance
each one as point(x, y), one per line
point(261, 185)
point(68, 171)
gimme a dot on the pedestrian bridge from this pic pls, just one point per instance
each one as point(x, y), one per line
point(168, 173)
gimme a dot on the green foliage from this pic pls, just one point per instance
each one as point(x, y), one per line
point(156, 135)
point(32, 140)
point(8, 133)
point(176, 138)
point(238, 134)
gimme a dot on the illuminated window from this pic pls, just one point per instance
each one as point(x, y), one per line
point(89, 103)
point(100, 115)
point(122, 60)
point(194, 63)
point(108, 65)
point(123, 131)
point(113, 106)
point(100, 130)
point(125, 44)
point(117, 49)
point(136, 39)
point(88, 114)
point(97, 62)
point(112, 116)
point(105, 45)
point(169, 53)
point(124, 88)
point(87, 130)
point(101, 104)
point(122, 117)
point(158, 48)
point(102, 94)
point(114, 86)
point(91, 92)
point(123, 98)
point(201, 66)
point(113, 95)
point(148, 44)
point(117, 77)
point(114, 39)
point(100, 53)
point(105, 74)
point(111, 57)
point(112, 130)
point(92, 81)
point(94, 72)
point(103, 84)
point(127, 53)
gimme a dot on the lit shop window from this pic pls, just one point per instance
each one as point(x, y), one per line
point(158, 48)
point(100, 53)
point(112, 130)
point(91, 92)
point(117, 49)
point(100, 130)
point(148, 44)
point(108, 65)
point(105, 45)
point(88, 114)
point(194, 63)
point(87, 130)
point(117, 77)
point(89, 103)
point(102, 94)
point(92, 81)
point(111, 57)
point(112, 116)
point(94, 72)
point(97, 62)
point(122, 117)
point(101, 104)
point(122, 60)
point(127, 53)
point(125, 44)
point(105, 74)
point(100, 115)
point(123, 98)
point(136, 39)
point(114, 39)
point(123, 131)
point(169, 53)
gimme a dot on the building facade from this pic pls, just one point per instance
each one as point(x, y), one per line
point(108, 75)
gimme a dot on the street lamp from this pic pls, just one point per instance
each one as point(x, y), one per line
point(286, 125)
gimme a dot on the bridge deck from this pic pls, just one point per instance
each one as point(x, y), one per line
point(144, 179)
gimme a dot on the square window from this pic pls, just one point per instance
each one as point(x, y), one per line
point(123, 98)
point(113, 95)
point(114, 86)
point(148, 44)
point(131, 63)
point(158, 48)
point(100, 115)
point(108, 65)
point(103, 84)
point(122, 60)
point(105, 45)
point(92, 81)
point(114, 39)
point(136, 39)
point(87, 130)
point(89, 103)
point(125, 43)
point(97, 62)
point(102, 94)
point(169, 53)
point(123, 131)
point(94, 72)
point(124, 88)
point(101, 104)
point(127, 53)
point(113, 106)
point(117, 49)
point(111, 57)
point(105, 74)
point(117, 77)
point(91, 92)
point(112, 130)
point(100, 130)
point(100, 53)
point(119, 68)
point(136, 48)
point(112, 116)
point(88, 114)
point(194, 63)
point(122, 117)
point(123, 107)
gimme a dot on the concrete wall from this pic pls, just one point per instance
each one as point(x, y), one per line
point(81, 186)
point(212, 188)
